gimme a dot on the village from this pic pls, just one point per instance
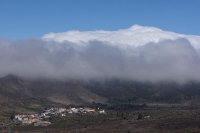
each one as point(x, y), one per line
point(43, 119)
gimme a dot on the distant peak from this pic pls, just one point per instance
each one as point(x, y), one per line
point(136, 27)
point(146, 28)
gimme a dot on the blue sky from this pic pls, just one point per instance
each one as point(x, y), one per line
point(22, 19)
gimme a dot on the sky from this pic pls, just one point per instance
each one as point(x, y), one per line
point(24, 19)
point(142, 40)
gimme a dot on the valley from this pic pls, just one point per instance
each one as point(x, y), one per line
point(154, 119)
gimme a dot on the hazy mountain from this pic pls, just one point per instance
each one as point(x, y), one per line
point(139, 64)
point(21, 92)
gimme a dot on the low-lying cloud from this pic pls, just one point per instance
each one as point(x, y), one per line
point(146, 59)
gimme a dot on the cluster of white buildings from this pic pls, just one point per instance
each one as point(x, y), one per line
point(31, 119)
point(65, 111)
point(85, 110)
point(54, 112)
point(42, 119)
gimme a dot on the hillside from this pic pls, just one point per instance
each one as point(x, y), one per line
point(16, 92)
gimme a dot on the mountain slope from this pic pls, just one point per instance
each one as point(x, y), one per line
point(16, 91)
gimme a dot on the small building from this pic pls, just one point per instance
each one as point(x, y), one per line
point(89, 110)
point(102, 111)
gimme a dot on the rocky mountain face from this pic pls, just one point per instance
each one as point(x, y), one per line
point(17, 91)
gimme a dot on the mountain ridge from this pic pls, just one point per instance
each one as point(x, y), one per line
point(20, 92)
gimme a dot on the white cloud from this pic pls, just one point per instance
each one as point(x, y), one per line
point(134, 36)
point(137, 53)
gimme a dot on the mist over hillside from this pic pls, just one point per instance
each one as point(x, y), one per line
point(139, 64)
point(21, 92)
point(138, 53)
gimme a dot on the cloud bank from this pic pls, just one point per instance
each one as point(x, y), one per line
point(137, 53)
